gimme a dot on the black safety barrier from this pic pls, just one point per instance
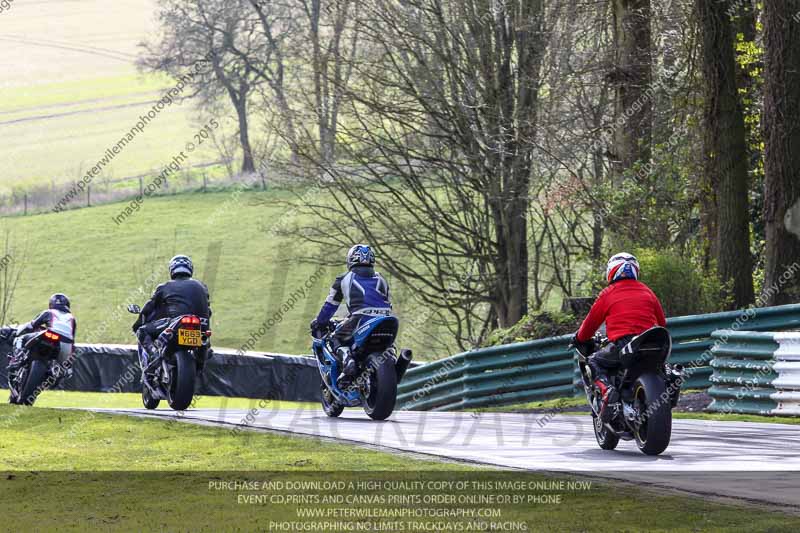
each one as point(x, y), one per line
point(115, 368)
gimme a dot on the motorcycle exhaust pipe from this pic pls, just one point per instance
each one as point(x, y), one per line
point(402, 363)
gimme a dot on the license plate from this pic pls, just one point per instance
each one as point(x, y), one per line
point(189, 337)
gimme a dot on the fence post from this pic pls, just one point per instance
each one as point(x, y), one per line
point(141, 186)
point(205, 182)
point(88, 196)
point(26, 203)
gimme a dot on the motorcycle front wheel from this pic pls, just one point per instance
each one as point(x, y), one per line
point(654, 427)
point(329, 405)
point(380, 388)
point(32, 388)
point(181, 387)
point(149, 401)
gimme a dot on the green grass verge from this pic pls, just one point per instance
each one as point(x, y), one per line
point(557, 403)
point(54, 439)
point(131, 474)
point(733, 417)
point(131, 400)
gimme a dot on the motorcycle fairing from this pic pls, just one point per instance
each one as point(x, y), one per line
point(329, 371)
point(379, 333)
point(653, 346)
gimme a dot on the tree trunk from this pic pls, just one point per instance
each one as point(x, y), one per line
point(248, 165)
point(512, 263)
point(782, 152)
point(633, 128)
point(725, 148)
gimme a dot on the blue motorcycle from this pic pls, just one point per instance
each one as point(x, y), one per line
point(380, 369)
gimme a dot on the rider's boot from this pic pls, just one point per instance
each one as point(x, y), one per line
point(610, 403)
point(149, 350)
point(348, 365)
point(14, 363)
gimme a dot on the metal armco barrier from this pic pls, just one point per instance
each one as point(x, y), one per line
point(545, 369)
point(756, 373)
point(498, 375)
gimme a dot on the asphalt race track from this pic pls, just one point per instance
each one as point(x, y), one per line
point(747, 461)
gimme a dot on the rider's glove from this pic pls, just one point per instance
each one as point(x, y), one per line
point(585, 348)
point(318, 330)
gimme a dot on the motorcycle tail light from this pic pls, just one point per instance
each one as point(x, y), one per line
point(190, 320)
point(49, 335)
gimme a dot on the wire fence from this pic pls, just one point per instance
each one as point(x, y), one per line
point(46, 197)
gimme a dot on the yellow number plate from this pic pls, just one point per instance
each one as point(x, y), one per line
point(189, 337)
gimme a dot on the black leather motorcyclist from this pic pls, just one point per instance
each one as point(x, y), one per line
point(183, 295)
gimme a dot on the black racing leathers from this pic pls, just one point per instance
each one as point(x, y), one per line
point(181, 296)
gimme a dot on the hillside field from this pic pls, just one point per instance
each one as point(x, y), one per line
point(252, 273)
point(73, 90)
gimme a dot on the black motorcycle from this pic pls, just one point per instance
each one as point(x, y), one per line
point(648, 386)
point(181, 352)
point(34, 366)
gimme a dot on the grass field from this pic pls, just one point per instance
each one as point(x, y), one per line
point(252, 274)
point(121, 474)
point(75, 91)
point(71, 399)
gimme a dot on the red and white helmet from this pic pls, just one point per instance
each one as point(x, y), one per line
point(622, 266)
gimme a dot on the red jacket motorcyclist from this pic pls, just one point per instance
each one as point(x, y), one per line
point(627, 306)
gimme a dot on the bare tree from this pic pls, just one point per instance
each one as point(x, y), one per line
point(12, 266)
point(206, 40)
point(442, 134)
point(632, 75)
point(334, 42)
point(277, 28)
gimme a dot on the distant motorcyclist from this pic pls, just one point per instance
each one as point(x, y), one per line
point(56, 318)
point(628, 307)
point(366, 294)
point(180, 296)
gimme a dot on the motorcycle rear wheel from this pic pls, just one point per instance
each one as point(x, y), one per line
point(382, 387)
point(31, 390)
point(329, 405)
point(182, 382)
point(654, 429)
